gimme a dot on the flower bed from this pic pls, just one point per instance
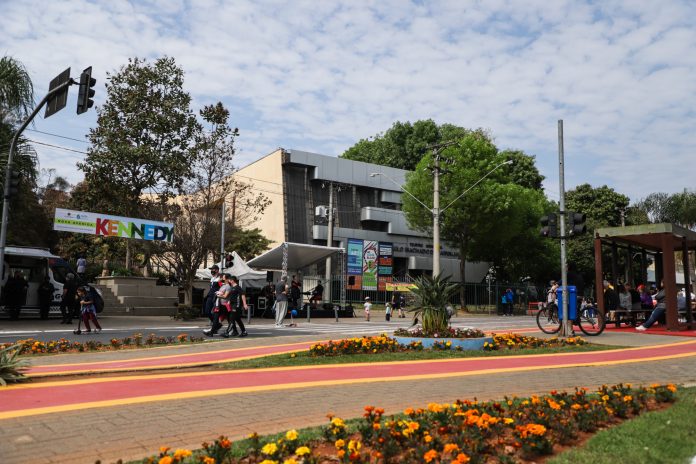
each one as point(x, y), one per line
point(31, 346)
point(513, 341)
point(448, 332)
point(465, 431)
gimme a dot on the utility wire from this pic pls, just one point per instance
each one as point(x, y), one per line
point(58, 135)
point(57, 146)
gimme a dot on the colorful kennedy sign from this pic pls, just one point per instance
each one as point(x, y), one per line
point(83, 222)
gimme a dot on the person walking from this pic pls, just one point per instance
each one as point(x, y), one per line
point(211, 298)
point(68, 302)
point(81, 267)
point(221, 306)
point(387, 311)
point(295, 293)
point(88, 310)
point(397, 303)
point(15, 293)
point(45, 294)
point(281, 292)
point(367, 306)
point(237, 300)
point(509, 302)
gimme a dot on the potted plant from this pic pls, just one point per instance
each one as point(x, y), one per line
point(433, 311)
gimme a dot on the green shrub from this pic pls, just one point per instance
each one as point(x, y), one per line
point(10, 366)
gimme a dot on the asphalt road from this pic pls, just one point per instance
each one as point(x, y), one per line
point(125, 326)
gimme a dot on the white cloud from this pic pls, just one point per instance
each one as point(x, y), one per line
point(320, 75)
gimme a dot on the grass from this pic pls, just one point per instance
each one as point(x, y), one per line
point(667, 436)
point(303, 358)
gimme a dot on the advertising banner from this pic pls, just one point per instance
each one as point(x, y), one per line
point(386, 253)
point(82, 222)
point(355, 257)
point(369, 277)
point(399, 286)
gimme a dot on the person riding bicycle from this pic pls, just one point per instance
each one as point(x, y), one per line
point(551, 293)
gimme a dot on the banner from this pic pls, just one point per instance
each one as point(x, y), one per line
point(399, 286)
point(369, 268)
point(355, 261)
point(386, 252)
point(82, 222)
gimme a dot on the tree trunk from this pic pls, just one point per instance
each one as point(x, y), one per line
point(128, 255)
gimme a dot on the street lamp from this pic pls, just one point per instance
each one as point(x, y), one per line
point(436, 211)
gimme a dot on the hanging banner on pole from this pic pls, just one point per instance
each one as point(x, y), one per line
point(385, 258)
point(369, 277)
point(355, 254)
point(67, 220)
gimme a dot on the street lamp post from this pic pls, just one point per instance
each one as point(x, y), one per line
point(435, 210)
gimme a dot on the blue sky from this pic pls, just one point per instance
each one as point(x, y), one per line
point(319, 76)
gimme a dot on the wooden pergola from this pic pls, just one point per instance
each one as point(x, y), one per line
point(660, 240)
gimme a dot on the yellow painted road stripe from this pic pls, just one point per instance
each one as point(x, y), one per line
point(322, 383)
point(331, 366)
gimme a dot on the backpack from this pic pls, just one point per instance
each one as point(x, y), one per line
point(95, 296)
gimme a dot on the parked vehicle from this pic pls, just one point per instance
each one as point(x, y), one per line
point(35, 264)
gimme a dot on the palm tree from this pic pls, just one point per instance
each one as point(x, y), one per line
point(16, 91)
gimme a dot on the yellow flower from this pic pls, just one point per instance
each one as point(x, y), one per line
point(340, 443)
point(291, 434)
point(165, 460)
point(337, 422)
point(181, 453)
point(430, 455)
point(576, 407)
point(428, 438)
point(208, 460)
point(508, 420)
point(302, 450)
point(268, 461)
point(290, 461)
point(270, 448)
point(354, 445)
point(627, 398)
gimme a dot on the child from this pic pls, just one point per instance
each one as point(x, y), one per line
point(88, 310)
point(387, 311)
point(367, 306)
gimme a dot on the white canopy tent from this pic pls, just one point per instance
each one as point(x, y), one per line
point(248, 277)
point(292, 256)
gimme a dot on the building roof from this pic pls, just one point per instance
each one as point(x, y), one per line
point(648, 236)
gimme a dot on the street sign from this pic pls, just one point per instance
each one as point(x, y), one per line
point(58, 101)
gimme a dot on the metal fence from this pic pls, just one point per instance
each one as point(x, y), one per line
point(483, 298)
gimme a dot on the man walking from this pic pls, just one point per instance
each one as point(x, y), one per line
point(281, 292)
point(68, 302)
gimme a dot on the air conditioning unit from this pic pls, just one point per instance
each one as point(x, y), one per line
point(321, 211)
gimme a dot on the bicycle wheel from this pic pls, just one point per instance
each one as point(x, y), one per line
point(547, 320)
point(591, 323)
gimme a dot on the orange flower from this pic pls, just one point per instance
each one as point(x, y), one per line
point(165, 460)
point(430, 455)
point(462, 458)
point(450, 447)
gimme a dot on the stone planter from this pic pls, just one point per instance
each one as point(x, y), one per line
point(464, 343)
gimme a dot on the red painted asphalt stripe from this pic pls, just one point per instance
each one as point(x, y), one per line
point(210, 357)
point(54, 394)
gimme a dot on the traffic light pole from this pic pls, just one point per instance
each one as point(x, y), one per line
point(8, 169)
point(567, 326)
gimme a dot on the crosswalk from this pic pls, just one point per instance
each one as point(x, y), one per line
point(359, 328)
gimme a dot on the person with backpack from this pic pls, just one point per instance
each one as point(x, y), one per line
point(237, 300)
point(88, 309)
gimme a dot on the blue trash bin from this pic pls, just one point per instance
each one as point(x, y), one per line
point(572, 302)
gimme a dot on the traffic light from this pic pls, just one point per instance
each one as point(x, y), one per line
point(549, 226)
point(14, 183)
point(86, 92)
point(576, 223)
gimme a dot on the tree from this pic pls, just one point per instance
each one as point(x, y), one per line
point(403, 145)
point(679, 208)
point(248, 243)
point(16, 103)
point(491, 215)
point(142, 142)
point(196, 212)
point(603, 207)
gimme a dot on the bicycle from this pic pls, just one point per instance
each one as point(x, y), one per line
point(590, 321)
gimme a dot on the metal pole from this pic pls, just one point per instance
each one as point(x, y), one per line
point(8, 169)
point(436, 212)
point(329, 242)
point(222, 237)
point(567, 326)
